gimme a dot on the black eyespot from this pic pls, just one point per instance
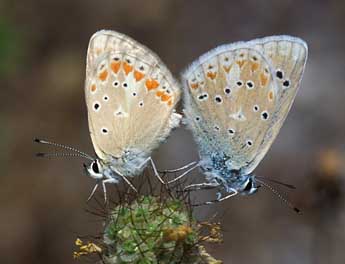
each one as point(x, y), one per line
point(218, 99)
point(96, 106)
point(116, 83)
point(264, 115)
point(256, 108)
point(105, 98)
point(250, 84)
point(203, 96)
point(94, 167)
point(239, 83)
point(231, 131)
point(125, 85)
point(279, 74)
point(141, 68)
point(227, 90)
point(116, 58)
point(216, 128)
point(134, 94)
point(104, 130)
point(286, 83)
point(128, 60)
point(254, 58)
point(249, 143)
point(141, 103)
point(197, 118)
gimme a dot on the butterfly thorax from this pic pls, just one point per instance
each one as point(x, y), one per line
point(218, 171)
point(130, 163)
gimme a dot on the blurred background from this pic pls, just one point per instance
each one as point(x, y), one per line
point(42, 69)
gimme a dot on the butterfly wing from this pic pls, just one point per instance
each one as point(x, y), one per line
point(130, 96)
point(237, 97)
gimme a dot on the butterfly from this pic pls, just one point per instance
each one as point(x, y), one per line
point(131, 98)
point(236, 98)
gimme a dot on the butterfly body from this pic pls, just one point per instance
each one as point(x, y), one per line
point(217, 170)
point(236, 98)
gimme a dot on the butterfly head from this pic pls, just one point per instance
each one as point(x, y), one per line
point(99, 170)
point(95, 169)
point(249, 186)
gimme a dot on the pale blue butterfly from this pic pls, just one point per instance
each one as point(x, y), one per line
point(236, 98)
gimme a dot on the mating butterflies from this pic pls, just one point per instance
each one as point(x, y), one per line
point(236, 98)
point(130, 97)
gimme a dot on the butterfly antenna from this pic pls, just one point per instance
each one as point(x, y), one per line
point(290, 186)
point(42, 141)
point(280, 196)
point(60, 155)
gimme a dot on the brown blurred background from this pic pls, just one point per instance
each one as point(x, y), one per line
point(42, 69)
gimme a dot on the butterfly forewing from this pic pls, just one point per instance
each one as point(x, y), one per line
point(130, 95)
point(235, 103)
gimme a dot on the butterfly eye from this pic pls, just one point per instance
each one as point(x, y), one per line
point(94, 167)
point(249, 186)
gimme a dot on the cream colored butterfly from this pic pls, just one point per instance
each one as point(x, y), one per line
point(130, 97)
point(236, 98)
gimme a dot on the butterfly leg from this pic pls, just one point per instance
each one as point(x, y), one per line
point(104, 189)
point(185, 173)
point(154, 169)
point(181, 168)
point(128, 182)
point(93, 192)
point(200, 186)
point(220, 198)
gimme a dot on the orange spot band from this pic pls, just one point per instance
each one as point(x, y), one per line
point(194, 85)
point(138, 75)
point(127, 68)
point(115, 66)
point(151, 84)
point(263, 79)
point(211, 75)
point(103, 75)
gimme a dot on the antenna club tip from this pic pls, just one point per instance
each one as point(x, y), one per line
point(37, 140)
point(40, 154)
point(298, 211)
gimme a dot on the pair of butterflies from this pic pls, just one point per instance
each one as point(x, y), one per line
point(236, 98)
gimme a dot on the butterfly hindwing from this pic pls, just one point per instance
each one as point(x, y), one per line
point(234, 102)
point(130, 95)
